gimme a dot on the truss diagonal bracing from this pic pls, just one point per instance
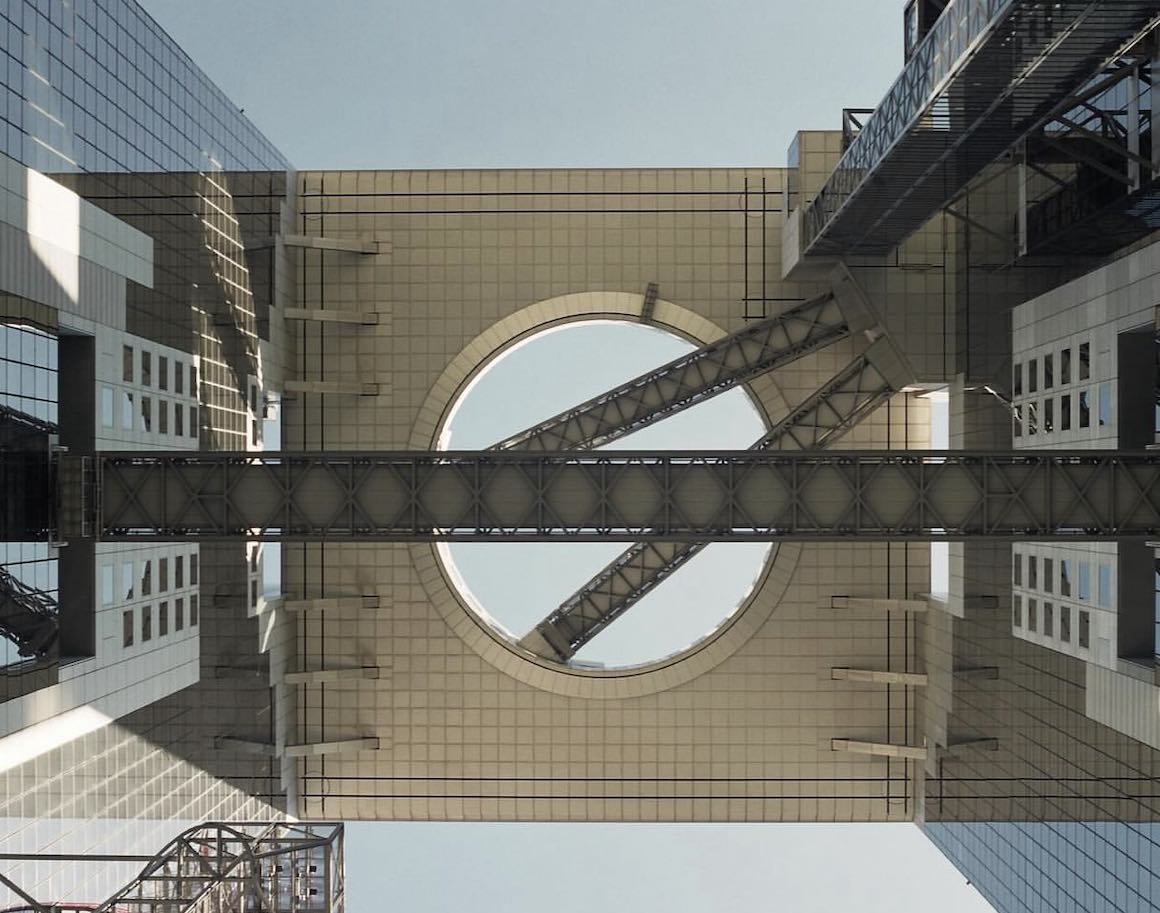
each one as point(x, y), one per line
point(28, 617)
point(685, 381)
point(625, 496)
point(837, 406)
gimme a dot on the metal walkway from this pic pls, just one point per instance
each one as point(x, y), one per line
point(623, 496)
point(851, 395)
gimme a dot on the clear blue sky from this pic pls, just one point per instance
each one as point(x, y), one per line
point(554, 83)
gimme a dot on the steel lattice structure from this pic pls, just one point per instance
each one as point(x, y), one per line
point(625, 496)
point(851, 395)
point(692, 378)
point(29, 617)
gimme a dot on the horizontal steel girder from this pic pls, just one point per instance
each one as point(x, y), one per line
point(625, 496)
point(855, 392)
point(685, 381)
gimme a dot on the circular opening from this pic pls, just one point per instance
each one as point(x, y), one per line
point(513, 586)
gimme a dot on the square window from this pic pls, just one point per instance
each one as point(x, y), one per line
point(1048, 620)
point(1065, 366)
point(127, 364)
point(127, 628)
point(163, 619)
point(146, 623)
point(162, 575)
point(146, 369)
point(1065, 624)
point(1085, 627)
point(1032, 615)
point(1033, 376)
point(1085, 361)
point(1085, 417)
point(108, 407)
point(1048, 372)
point(1065, 413)
point(162, 372)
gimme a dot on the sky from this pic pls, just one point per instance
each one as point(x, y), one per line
point(573, 83)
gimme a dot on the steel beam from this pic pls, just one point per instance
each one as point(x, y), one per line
point(625, 496)
point(852, 394)
point(878, 676)
point(29, 618)
point(879, 749)
point(685, 381)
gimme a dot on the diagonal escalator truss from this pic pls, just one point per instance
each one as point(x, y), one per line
point(28, 617)
point(840, 404)
point(692, 378)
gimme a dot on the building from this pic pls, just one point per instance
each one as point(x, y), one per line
point(172, 287)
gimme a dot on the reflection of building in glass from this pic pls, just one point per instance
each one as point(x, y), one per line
point(172, 289)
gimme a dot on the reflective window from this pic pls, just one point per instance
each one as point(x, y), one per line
point(178, 614)
point(146, 368)
point(1065, 574)
point(1048, 416)
point(1085, 419)
point(1017, 611)
point(1085, 625)
point(1065, 366)
point(127, 628)
point(146, 414)
point(178, 377)
point(146, 623)
point(162, 372)
point(1104, 591)
point(1085, 581)
point(126, 364)
point(1048, 619)
point(1065, 624)
point(179, 571)
point(162, 416)
point(126, 411)
point(108, 407)
point(108, 585)
point(1017, 569)
point(163, 619)
point(147, 578)
point(127, 579)
point(1105, 404)
point(162, 575)
point(1017, 379)
point(1033, 572)
point(1048, 572)
point(1085, 362)
point(1032, 615)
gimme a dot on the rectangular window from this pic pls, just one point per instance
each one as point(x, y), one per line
point(126, 411)
point(1033, 375)
point(146, 414)
point(1048, 416)
point(1032, 418)
point(163, 416)
point(178, 420)
point(1017, 422)
point(1065, 413)
point(108, 585)
point(1065, 573)
point(1104, 587)
point(127, 628)
point(1033, 572)
point(127, 580)
point(108, 407)
point(1017, 569)
point(1048, 620)
point(178, 614)
point(146, 623)
point(193, 421)
point(162, 372)
point(1065, 366)
point(253, 594)
point(146, 369)
point(127, 364)
point(1032, 615)
point(1048, 572)
point(179, 571)
point(1085, 361)
point(1085, 415)
point(193, 569)
point(147, 578)
point(193, 381)
point(1065, 624)
point(1105, 405)
point(1085, 581)
point(1048, 372)
point(163, 619)
point(192, 611)
point(178, 377)
point(1085, 627)
point(1017, 379)
point(162, 575)
point(1017, 611)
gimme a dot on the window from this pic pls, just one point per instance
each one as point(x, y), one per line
point(146, 414)
point(127, 628)
point(108, 407)
point(1085, 626)
point(146, 369)
point(178, 377)
point(162, 575)
point(126, 411)
point(162, 372)
point(1085, 581)
point(1017, 422)
point(192, 611)
point(1017, 611)
point(163, 619)
point(108, 585)
point(1065, 573)
point(1017, 379)
point(1065, 366)
point(1048, 372)
point(1104, 587)
point(1017, 569)
point(1065, 624)
point(178, 423)
point(1033, 572)
point(1085, 362)
point(179, 571)
point(178, 614)
point(193, 569)
point(127, 364)
point(1032, 615)
point(127, 581)
point(1033, 376)
point(1048, 620)
point(147, 578)
point(1105, 414)
point(193, 421)
point(146, 623)
point(1032, 419)
point(253, 594)
point(1048, 416)
point(1048, 572)
point(1085, 417)
point(193, 381)
point(1065, 413)
point(163, 416)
